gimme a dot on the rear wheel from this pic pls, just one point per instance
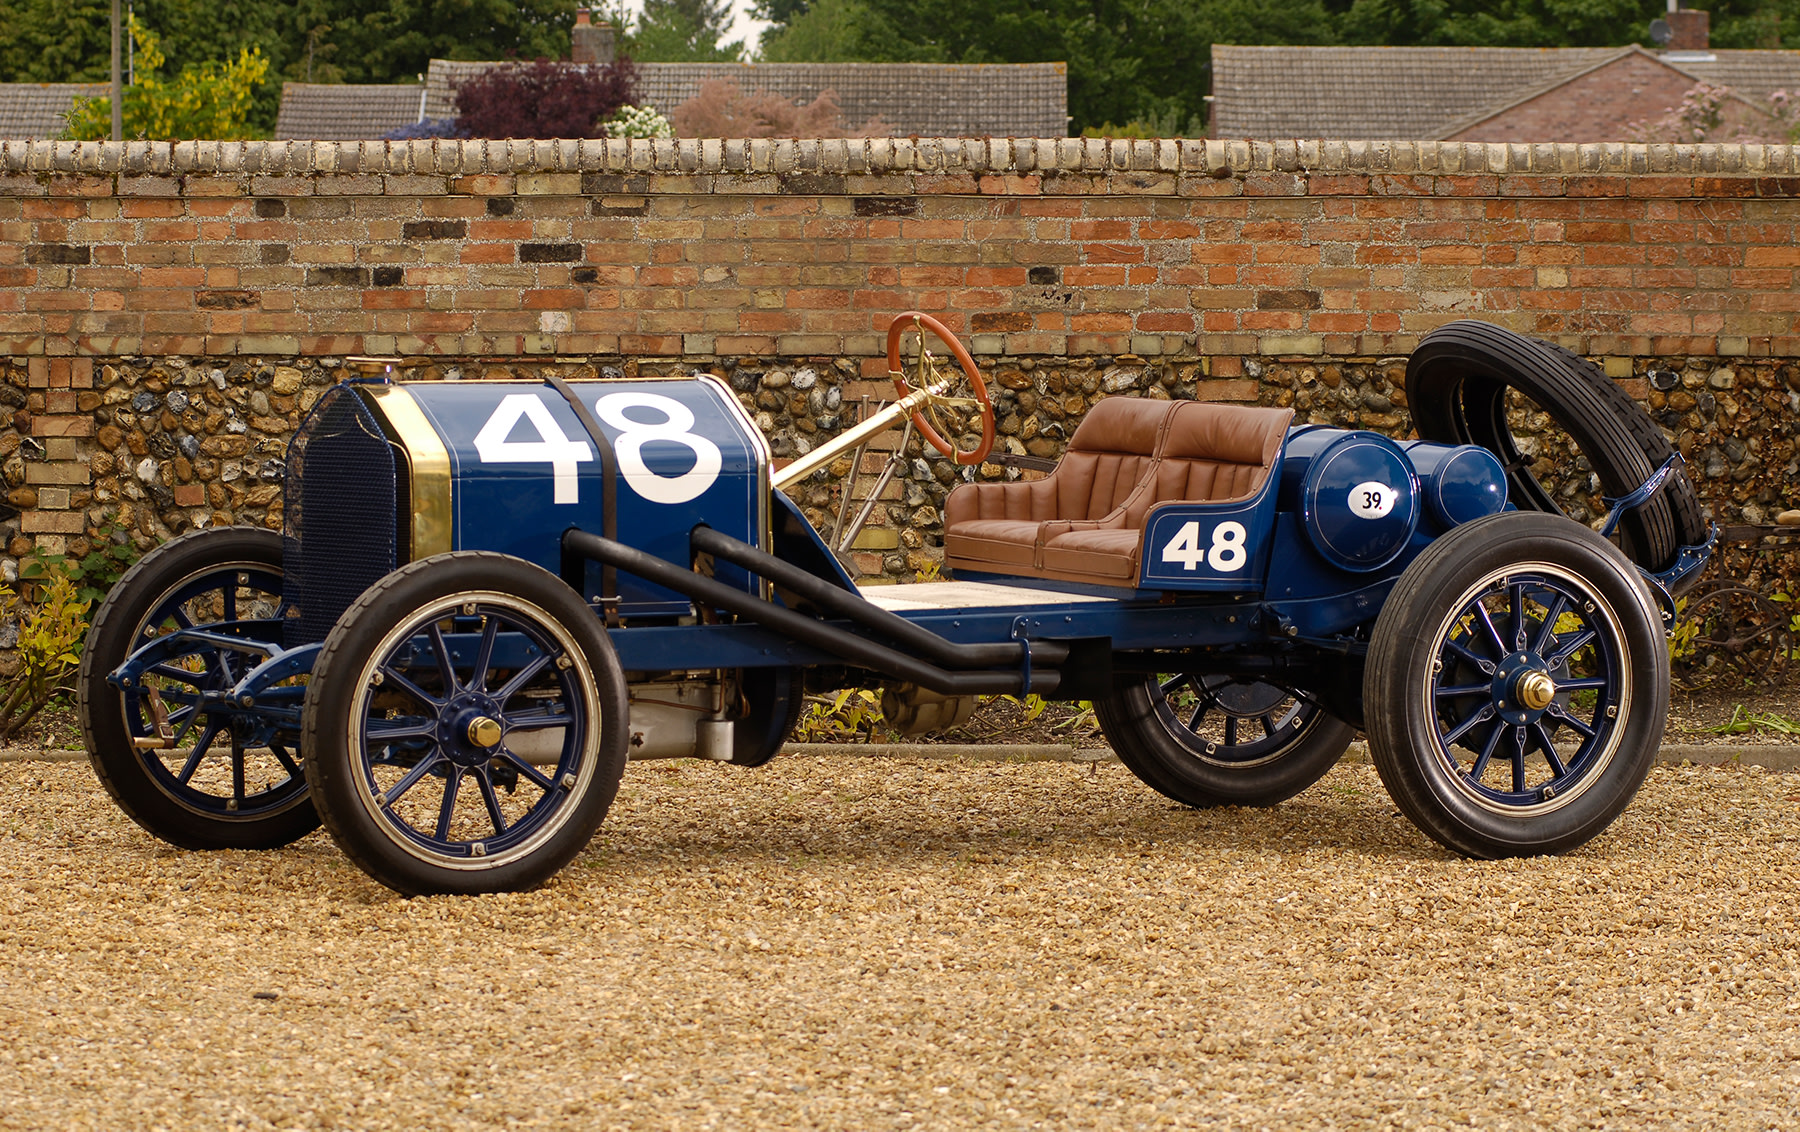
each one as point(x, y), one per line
point(1517, 684)
point(774, 697)
point(1208, 740)
point(223, 778)
point(466, 726)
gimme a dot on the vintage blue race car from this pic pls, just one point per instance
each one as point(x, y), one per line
point(489, 596)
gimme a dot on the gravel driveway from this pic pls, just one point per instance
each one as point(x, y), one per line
point(833, 942)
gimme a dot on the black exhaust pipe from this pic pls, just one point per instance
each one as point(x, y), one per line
point(866, 613)
point(847, 646)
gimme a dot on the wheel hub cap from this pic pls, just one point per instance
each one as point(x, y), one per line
point(484, 732)
point(469, 729)
point(1534, 690)
point(1523, 688)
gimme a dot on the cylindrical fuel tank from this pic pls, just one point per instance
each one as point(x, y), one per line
point(1356, 493)
point(1459, 482)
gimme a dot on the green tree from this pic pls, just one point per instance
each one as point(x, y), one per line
point(1129, 60)
point(1498, 23)
point(826, 31)
point(683, 31)
point(55, 41)
point(359, 41)
point(1744, 24)
point(779, 11)
point(206, 100)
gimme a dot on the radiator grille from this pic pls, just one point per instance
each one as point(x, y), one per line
point(341, 516)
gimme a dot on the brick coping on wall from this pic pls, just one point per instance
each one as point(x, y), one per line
point(693, 157)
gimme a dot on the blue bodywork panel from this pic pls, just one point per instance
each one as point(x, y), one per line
point(1219, 548)
point(525, 471)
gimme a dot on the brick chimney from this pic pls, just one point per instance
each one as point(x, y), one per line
point(1691, 31)
point(593, 43)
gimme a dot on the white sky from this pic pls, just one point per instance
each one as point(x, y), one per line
point(742, 25)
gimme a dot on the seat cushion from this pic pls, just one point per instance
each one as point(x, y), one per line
point(994, 542)
point(1107, 557)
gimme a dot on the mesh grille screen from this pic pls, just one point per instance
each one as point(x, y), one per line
point(342, 510)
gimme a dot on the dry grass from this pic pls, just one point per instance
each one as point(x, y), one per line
point(844, 943)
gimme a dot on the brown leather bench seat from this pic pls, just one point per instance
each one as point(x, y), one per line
point(1084, 522)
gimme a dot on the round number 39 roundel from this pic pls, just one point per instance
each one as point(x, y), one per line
point(1371, 500)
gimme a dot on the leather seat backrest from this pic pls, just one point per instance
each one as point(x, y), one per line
point(1215, 453)
point(1108, 455)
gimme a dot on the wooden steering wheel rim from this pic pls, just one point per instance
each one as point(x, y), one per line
point(901, 324)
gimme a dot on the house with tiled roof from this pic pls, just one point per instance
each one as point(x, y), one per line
point(40, 110)
point(346, 111)
point(1027, 100)
point(1575, 94)
point(924, 99)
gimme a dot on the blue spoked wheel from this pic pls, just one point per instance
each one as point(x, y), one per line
point(1517, 686)
point(466, 726)
point(1211, 740)
point(180, 759)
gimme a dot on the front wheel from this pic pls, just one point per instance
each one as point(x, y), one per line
point(465, 726)
point(1517, 686)
point(1215, 741)
point(181, 761)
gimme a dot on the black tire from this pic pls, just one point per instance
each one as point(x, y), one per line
point(1691, 526)
point(394, 799)
point(1456, 384)
point(775, 697)
point(255, 796)
point(1205, 759)
point(1449, 686)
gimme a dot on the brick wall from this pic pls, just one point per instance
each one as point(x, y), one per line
point(153, 264)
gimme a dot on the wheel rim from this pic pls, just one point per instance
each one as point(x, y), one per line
point(224, 763)
point(475, 730)
point(1230, 722)
point(1528, 687)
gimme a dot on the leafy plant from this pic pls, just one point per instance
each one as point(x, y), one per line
point(1169, 124)
point(852, 715)
point(1743, 721)
point(206, 100)
point(1710, 113)
point(723, 110)
point(1684, 634)
point(544, 99)
point(93, 574)
point(638, 122)
point(49, 649)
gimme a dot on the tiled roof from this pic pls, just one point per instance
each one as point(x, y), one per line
point(1375, 92)
point(1028, 100)
point(1430, 92)
point(344, 112)
point(38, 110)
point(1753, 74)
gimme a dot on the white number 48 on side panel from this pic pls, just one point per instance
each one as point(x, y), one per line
point(1226, 554)
point(554, 446)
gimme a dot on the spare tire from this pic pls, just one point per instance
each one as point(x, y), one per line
point(1691, 526)
point(1456, 383)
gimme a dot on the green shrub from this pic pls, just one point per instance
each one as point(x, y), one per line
point(51, 632)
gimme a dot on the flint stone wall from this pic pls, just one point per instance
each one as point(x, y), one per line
point(168, 312)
